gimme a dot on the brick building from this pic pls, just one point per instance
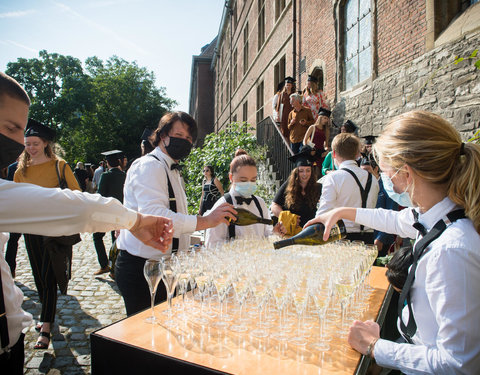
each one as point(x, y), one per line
point(373, 58)
point(201, 101)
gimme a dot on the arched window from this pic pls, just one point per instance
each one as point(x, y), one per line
point(357, 42)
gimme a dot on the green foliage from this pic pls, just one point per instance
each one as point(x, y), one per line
point(218, 151)
point(101, 107)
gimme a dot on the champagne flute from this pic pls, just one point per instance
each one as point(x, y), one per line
point(170, 278)
point(152, 270)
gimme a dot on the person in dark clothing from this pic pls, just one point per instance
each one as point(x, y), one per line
point(300, 193)
point(12, 244)
point(110, 185)
point(81, 175)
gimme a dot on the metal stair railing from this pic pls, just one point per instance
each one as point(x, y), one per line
point(268, 133)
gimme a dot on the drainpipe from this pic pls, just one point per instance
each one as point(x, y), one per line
point(294, 52)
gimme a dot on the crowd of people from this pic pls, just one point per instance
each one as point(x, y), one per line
point(417, 181)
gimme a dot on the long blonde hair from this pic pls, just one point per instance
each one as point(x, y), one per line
point(24, 159)
point(432, 147)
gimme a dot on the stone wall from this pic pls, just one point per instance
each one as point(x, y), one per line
point(452, 91)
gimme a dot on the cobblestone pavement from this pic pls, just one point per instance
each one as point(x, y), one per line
point(92, 302)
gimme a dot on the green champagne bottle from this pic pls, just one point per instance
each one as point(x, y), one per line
point(313, 235)
point(245, 217)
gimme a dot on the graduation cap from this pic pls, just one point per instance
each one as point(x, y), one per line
point(304, 158)
point(88, 165)
point(312, 78)
point(369, 139)
point(350, 126)
point(37, 129)
point(113, 155)
point(324, 112)
point(290, 80)
point(146, 134)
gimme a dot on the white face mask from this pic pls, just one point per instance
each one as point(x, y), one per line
point(403, 199)
point(245, 189)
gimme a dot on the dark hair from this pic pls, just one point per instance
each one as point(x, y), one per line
point(147, 146)
point(241, 159)
point(166, 124)
point(212, 171)
point(293, 193)
point(398, 266)
point(10, 87)
point(115, 162)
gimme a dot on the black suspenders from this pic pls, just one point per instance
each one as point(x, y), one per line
point(419, 250)
point(231, 227)
point(172, 203)
point(363, 192)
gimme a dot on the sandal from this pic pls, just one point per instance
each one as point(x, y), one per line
point(40, 344)
point(38, 327)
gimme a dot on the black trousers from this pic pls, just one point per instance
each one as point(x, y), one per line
point(366, 237)
point(100, 248)
point(132, 283)
point(11, 252)
point(43, 275)
point(12, 363)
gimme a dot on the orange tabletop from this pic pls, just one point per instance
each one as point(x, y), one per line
point(134, 343)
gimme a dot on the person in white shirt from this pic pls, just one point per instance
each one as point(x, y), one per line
point(154, 185)
point(28, 208)
point(426, 165)
point(349, 185)
point(98, 173)
point(243, 176)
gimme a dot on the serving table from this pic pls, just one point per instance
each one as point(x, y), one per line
point(133, 346)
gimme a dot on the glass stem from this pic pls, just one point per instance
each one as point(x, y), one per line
point(152, 299)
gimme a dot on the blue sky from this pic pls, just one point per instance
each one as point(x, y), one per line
point(160, 35)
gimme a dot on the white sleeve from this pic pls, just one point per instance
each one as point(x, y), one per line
point(218, 233)
point(27, 208)
point(388, 221)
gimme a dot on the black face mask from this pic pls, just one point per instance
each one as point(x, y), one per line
point(10, 150)
point(178, 148)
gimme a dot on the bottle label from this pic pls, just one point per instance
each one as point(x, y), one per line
point(335, 232)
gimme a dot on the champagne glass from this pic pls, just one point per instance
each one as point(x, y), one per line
point(152, 270)
point(170, 275)
point(241, 288)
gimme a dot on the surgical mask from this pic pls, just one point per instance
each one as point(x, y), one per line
point(245, 189)
point(403, 199)
point(178, 148)
point(10, 151)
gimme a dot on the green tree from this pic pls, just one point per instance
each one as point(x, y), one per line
point(102, 107)
point(218, 151)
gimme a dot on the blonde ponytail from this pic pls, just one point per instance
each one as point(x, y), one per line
point(433, 148)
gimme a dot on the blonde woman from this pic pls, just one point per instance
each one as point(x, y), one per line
point(38, 165)
point(426, 165)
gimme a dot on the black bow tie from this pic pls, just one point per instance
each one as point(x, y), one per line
point(241, 200)
point(176, 166)
point(417, 225)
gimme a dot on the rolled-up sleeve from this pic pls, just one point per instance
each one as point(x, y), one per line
point(388, 221)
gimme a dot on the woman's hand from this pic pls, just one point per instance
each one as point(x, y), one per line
point(279, 229)
point(362, 334)
point(330, 218)
point(154, 231)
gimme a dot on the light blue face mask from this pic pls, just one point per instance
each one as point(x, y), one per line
point(245, 189)
point(403, 199)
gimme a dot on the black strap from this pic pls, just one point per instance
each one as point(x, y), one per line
point(231, 226)
point(419, 250)
point(363, 192)
point(4, 338)
point(172, 203)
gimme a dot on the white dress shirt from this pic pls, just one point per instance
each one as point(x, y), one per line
point(445, 296)
point(28, 208)
point(220, 232)
point(97, 174)
point(146, 191)
point(339, 189)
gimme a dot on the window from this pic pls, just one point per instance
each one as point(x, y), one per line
point(234, 78)
point(234, 15)
point(245, 111)
point(279, 7)
point(260, 98)
point(227, 89)
point(234, 118)
point(221, 95)
point(245, 49)
point(279, 73)
point(358, 41)
point(261, 23)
